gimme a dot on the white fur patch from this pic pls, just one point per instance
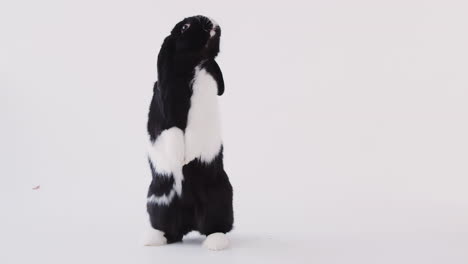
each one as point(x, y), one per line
point(216, 241)
point(167, 156)
point(203, 131)
point(163, 199)
point(212, 31)
point(167, 151)
point(154, 237)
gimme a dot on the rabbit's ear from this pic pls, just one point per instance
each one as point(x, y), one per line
point(166, 53)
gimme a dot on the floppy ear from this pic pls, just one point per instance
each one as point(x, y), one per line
point(156, 113)
point(165, 55)
point(213, 68)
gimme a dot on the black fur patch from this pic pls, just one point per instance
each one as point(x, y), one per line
point(161, 184)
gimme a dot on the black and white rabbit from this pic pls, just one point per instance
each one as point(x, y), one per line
point(190, 189)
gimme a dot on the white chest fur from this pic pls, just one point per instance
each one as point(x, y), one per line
point(202, 138)
point(203, 131)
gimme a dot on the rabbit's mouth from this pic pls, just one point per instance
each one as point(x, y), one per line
point(212, 41)
point(215, 31)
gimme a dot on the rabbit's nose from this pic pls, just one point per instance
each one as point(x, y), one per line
point(207, 26)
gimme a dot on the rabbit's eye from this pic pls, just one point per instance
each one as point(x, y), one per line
point(185, 27)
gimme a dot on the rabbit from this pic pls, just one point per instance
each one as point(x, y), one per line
point(190, 191)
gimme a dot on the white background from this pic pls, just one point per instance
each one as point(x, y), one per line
point(345, 130)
